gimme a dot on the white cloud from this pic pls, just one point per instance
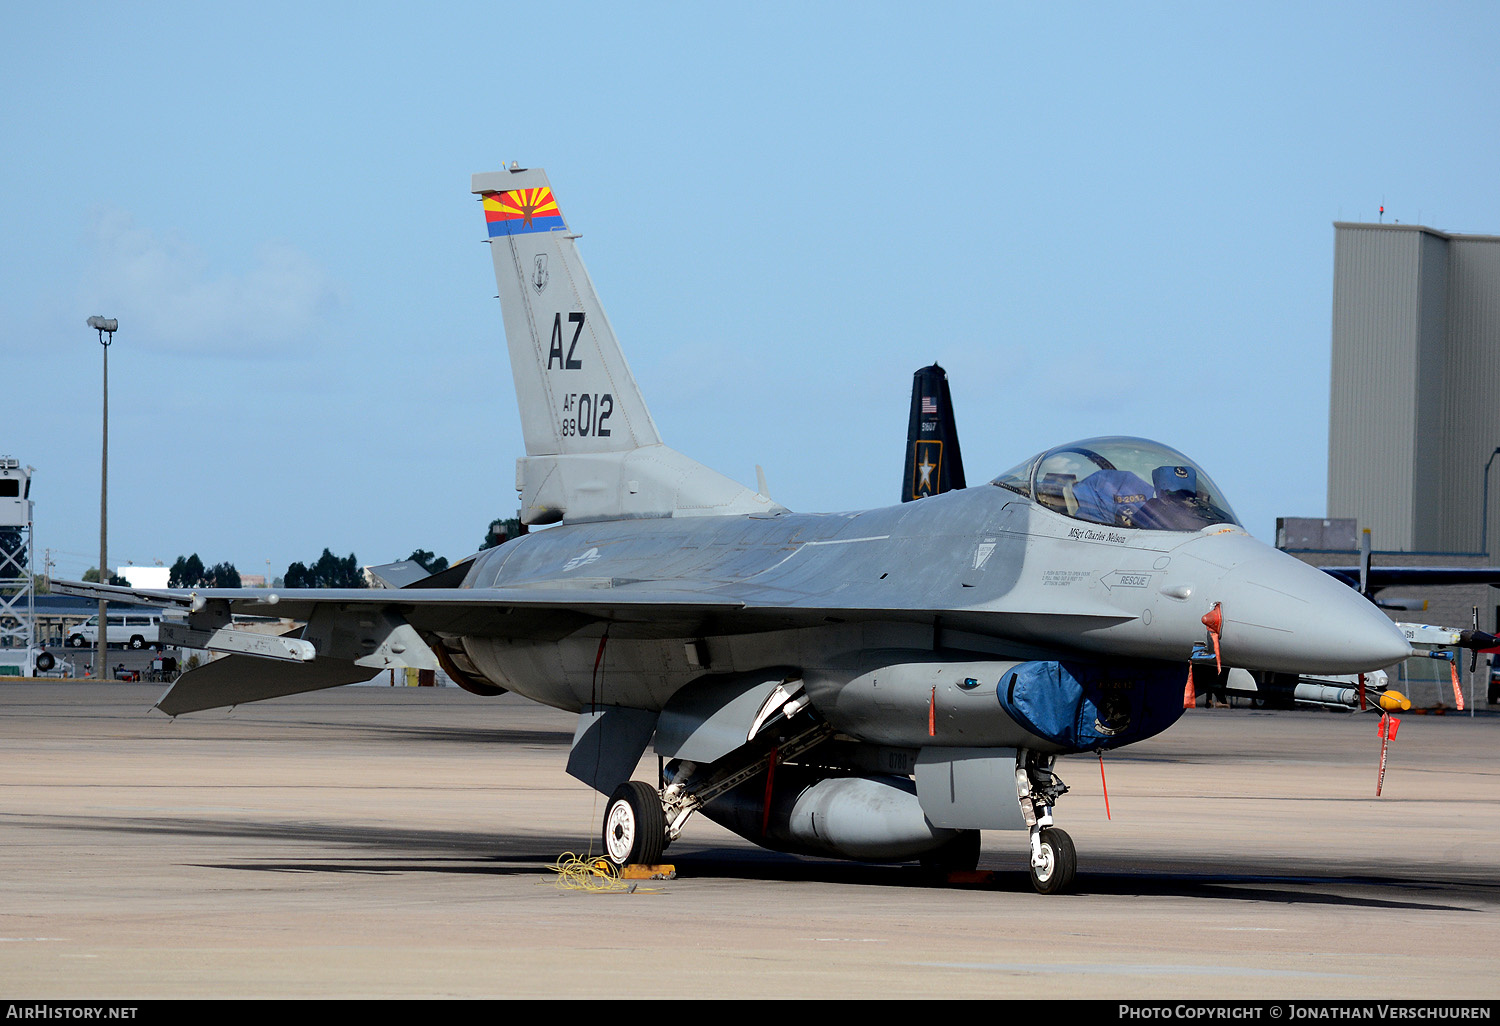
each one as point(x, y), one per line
point(174, 298)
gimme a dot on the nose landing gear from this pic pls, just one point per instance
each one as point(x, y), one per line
point(1054, 861)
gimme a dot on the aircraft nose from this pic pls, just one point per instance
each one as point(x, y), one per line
point(1281, 614)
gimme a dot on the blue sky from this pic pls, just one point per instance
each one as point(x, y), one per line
point(1099, 218)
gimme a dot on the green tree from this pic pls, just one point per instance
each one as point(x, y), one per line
point(186, 572)
point(328, 572)
point(222, 575)
point(189, 572)
point(429, 562)
point(91, 576)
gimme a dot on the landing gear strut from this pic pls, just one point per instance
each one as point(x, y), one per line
point(1054, 861)
point(640, 822)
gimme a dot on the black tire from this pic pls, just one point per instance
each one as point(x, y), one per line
point(45, 662)
point(1062, 863)
point(76, 641)
point(957, 855)
point(635, 826)
point(137, 642)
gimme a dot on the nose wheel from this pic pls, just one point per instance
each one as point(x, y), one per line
point(1054, 861)
point(635, 827)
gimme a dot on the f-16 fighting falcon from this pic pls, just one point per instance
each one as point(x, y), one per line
point(878, 685)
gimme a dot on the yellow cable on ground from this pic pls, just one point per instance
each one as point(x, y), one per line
point(587, 874)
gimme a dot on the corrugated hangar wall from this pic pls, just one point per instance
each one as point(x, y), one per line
point(1414, 409)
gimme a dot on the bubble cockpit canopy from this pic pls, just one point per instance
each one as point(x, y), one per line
point(1122, 482)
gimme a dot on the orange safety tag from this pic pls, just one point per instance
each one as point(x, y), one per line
point(1214, 621)
point(1104, 784)
point(1388, 727)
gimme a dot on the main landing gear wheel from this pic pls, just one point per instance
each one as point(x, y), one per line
point(1059, 862)
point(635, 827)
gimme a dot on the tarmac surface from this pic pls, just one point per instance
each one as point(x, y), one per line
point(398, 842)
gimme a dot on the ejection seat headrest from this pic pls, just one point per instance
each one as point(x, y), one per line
point(1175, 479)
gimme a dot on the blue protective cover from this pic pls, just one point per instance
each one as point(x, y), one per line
point(1085, 707)
point(1111, 496)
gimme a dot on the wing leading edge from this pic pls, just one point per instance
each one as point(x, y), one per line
point(469, 610)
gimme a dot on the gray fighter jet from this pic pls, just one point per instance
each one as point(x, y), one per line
point(876, 685)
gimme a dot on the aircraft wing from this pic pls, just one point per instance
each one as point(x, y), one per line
point(496, 612)
point(236, 679)
point(351, 634)
point(547, 611)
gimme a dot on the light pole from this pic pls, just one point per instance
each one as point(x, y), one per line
point(105, 327)
point(1484, 508)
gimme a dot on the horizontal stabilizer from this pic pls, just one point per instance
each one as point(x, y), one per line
point(397, 575)
point(237, 679)
point(452, 577)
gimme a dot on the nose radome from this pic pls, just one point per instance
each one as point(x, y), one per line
point(1281, 614)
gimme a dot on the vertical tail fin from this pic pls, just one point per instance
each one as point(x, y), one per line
point(575, 390)
point(933, 461)
point(592, 449)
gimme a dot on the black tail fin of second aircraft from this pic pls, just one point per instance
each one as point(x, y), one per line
point(933, 461)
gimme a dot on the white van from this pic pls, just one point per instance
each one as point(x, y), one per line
point(134, 629)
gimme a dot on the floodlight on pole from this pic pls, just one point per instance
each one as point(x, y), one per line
point(105, 326)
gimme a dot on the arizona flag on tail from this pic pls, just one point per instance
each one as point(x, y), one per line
point(521, 212)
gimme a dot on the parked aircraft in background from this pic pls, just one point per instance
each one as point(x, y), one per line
point(934, 463)
point(875, 685)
